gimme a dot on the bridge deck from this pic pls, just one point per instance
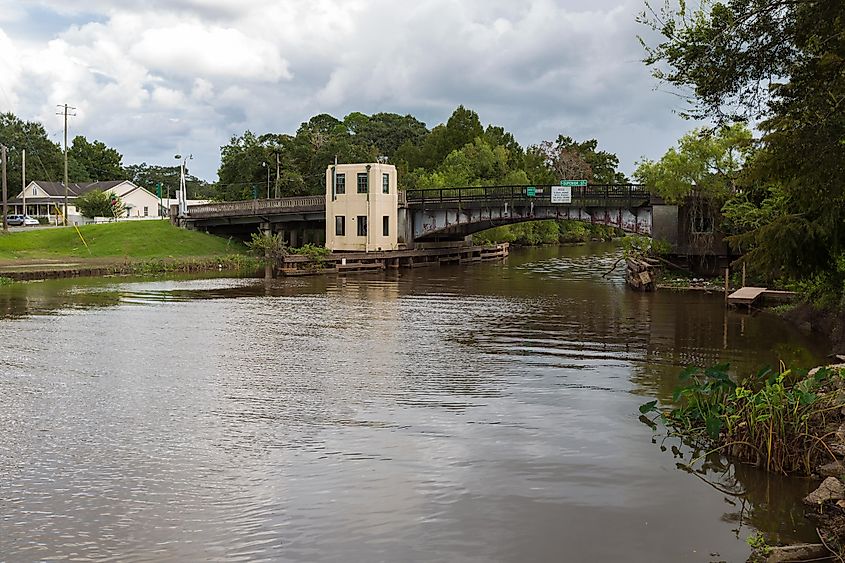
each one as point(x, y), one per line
point(595, 195)
point(256, 207)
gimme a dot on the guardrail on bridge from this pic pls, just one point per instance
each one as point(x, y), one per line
point(256, 206)
point(610, 193)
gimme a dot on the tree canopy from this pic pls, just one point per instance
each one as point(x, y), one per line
point(781, 62)
point(705, 161)
point(44, 158)
point(459, 152)
point(98, 161)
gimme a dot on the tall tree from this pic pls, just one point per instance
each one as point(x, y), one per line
point(782, 61)
point(475, 164)
point(241, 172)
point(709, 162)
point(98, 161)
point(385, 131)
point(601, 166)
point(462, 128)
point(44, 157)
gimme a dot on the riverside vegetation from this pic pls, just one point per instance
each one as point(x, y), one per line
point(782, 196)
point(790, 422)
point(272, 247)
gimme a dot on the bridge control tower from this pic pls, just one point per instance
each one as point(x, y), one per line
point(361, 207)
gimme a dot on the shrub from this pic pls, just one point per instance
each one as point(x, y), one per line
point(264, 244)
point(317, 254)
point(775, 420)
point(99, 204)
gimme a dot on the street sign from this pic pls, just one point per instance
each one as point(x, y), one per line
point(531, 191)
point(574, 183)
point(561, 194)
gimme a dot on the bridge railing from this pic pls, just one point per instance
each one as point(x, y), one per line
point(255, 206)
point(611, 193)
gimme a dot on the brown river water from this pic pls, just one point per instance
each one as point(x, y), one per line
point(481, 413)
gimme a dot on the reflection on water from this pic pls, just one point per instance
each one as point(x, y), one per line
point(479, 413)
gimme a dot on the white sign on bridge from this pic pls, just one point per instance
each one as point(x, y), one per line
point(561, 194)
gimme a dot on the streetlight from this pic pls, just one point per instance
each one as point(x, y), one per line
point(183, 192)
point(264, 164)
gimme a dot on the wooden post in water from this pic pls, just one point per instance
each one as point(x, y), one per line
point(727, 273)
point(267, 231)
point(743, 274)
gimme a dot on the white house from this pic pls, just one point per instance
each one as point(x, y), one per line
point(46, 199)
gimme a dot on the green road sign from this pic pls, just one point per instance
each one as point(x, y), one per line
point(158, 189)
point(531, 191)
point(574, 183)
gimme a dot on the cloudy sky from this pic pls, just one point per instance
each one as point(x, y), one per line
point(158, 77)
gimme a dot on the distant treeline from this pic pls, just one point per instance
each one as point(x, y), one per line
point(88, 161)
point(461, 152)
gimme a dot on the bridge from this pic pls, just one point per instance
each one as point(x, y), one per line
point(451, 213)
point(441, 214)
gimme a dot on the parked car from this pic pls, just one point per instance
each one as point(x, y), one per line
point(18, 220)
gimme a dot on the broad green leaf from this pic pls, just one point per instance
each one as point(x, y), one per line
point(713, 425)
point(648, 407)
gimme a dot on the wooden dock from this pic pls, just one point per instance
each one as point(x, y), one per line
point(746, 296)
point(354, 262)
point(749, 296)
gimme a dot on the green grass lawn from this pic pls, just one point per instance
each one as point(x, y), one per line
point(130, 239)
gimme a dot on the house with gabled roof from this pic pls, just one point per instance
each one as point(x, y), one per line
point(46, 199)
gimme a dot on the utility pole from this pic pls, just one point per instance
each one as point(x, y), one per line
point(5, 202)
point(183, 188)
point(278, 168)
point(23, 179)
point(267, 166)
point(66, 108)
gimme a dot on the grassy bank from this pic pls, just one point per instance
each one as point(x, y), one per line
point(139, 240)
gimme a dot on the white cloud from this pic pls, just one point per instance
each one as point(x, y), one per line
point(209, 51)
point(153, 76)
point(11, 69)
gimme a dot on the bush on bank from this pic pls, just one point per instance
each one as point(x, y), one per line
point(781, 421)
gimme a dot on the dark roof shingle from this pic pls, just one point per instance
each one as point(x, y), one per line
point(58, 188)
